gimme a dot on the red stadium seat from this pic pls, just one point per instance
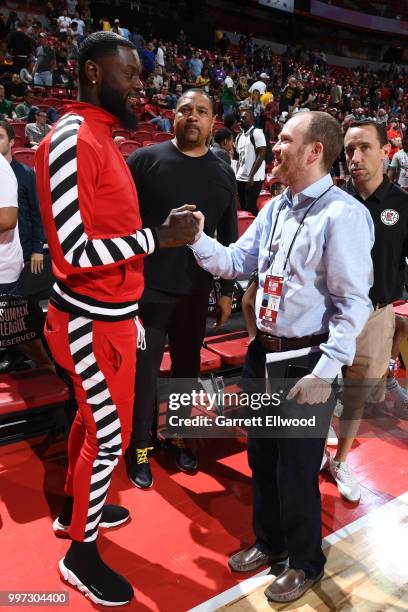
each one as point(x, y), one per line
point(244, 221)
point(128, 146)
point(142, 135)
point(231, 348)
point(162, 136)
point(19, 128)
point(263, 198)
point(146, 126)
point(25, 156)
point(20, 142)
point(209, 361)
point(121, 132)
point(27, 395)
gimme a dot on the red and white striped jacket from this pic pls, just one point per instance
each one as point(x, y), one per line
point(90, 211)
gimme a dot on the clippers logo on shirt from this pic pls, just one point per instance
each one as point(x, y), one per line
point(389, 216)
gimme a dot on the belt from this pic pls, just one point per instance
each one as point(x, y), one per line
point(275, 344)
point(379, 306)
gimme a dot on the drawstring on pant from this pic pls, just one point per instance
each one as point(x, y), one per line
point(141, 335)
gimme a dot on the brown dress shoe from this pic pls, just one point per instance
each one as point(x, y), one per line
point(251, 558)
point(290, 585)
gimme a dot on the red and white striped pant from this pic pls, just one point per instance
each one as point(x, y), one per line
point(100, 358)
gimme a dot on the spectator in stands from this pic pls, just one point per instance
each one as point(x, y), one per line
point(46, 63)
point(15, 89)
point(148, 59)
point(187, 79)
point(394, 131)
point(23, 109)
point(181, 42)
point(35, 132)
point(64, 21)
point(6, 106)
point(27, 74)
point(196, 65)
point(71, 6)
point(290, 97)
point(81, 28)
point(329, 287)
point(157, 78)
point(11, 254)
point(229, 98)
point(104, 24)
point(88, 19)
point(30, 226)
point(366, 147)
point(71, 46)
point(305, 95)
point(398, 168)
point(255, 105)
point(223, 145)
point(382, 116)
point(251, 150)
point(261, 84)
point(336, 94)
point(153, 114)
point(138, 40)
point(203, 80)
point(20, 46)
point(267, 97)
point(175, 299)
point(242, 87)
point(160, 55)
point(116, 27)
point(63, 78)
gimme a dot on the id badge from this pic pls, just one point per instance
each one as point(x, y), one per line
point(271, 298)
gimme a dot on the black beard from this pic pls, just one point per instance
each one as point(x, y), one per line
point(112, 102)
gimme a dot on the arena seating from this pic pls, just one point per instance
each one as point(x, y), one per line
point(32, 402)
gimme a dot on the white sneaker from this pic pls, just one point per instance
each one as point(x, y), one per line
point(397, 394)
point(332, 439)
point(347, 483)
point(325, 461)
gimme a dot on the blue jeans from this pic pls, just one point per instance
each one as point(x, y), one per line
point(163, 123)
point(43, 79)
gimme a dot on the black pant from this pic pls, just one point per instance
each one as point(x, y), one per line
point(285, 473)
point(183, 320)
point(248, 196)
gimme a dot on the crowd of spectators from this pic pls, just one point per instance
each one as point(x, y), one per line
point(36, 57)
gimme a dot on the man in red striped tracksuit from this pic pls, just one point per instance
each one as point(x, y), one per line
point(90, 211)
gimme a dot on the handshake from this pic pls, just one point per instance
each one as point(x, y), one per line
point(183, 226)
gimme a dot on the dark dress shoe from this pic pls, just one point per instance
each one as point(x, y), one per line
point(290, 585)
point(185, 460)
point(250, 559)
point(138, 468)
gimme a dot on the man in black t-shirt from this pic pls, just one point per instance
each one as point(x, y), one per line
point(366, 146)
point(175, 301)
point(289, 99)
point(305, 95)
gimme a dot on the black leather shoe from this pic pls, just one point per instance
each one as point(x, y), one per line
point(138, 468)
point(250, 559)
point(185, 460)
point(290, 585)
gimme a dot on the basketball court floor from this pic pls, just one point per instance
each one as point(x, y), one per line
point(175, 548)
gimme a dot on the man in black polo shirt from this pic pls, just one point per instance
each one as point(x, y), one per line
point(366, 146)
point(175, 300)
